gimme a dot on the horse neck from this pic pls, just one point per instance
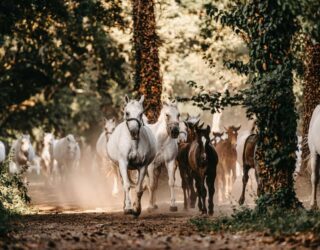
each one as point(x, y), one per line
point(159, 129)
point(191, 135)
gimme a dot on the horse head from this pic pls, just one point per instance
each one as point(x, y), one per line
point(203, 140)
point(48, 139)
point(217, 136)
point(170, 114)
point(232, 133)
point(25, 144)
point(109, 126)
point(133, 115)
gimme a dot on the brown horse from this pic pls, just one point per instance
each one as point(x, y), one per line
point(248, 163)
point(227, 153)
point(187, 183)
point(203, 160)
point(217, 137)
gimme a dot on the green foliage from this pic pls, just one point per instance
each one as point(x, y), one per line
point(267, 27)
point(13, 195)
point(277, 223)
point(54, 55)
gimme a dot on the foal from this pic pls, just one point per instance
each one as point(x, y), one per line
point(203, 160)
point(189, 193)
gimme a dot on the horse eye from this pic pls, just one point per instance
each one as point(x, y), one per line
point(167, 115)
point(127, 113)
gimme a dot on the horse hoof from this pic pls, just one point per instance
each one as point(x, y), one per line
point(241, 201)
point(173, 208)
point(211, 213)
point(128, 211)
point(136, 213)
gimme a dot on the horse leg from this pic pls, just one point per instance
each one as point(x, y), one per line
point(203, 196)
point(139, 191)
point(115, 190)
point(198, 187)
point(123, 166)
point(210, 184)
point(185, 191)
point(315, 164)
point(171, 168)
point(193, 195)
point(151, 186)
point(245, 179)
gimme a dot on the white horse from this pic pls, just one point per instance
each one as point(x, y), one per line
point(101, 148)
point(66, 153)
point(314, 147)
point(46, 154)
point(166, 130)
point(2, 152)
point(35, 165)
point(132, 145)
point(21, 155)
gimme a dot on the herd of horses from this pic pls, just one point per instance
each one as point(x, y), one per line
point(207, 160)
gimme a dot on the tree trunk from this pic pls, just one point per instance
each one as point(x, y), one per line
point(147, 66)
point(311, 97)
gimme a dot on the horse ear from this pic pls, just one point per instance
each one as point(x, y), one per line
point(126, 99)
point(141, 99)
point(198, 116)
point(238, 128)
point(225, 128)
point(187, 116)
point(113, 119)
point(165, 103)
point(196, 124)
point(200, 127)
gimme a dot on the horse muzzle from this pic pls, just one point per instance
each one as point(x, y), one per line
point(174, 132)
point(135, 134)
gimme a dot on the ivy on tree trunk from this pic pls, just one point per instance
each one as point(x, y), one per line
point(311, 95)
point(267, 27)
point(147, 66)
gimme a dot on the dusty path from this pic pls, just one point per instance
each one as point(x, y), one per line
point(116, 231)
point(63, 222)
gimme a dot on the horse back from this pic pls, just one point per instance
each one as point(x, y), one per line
point(248, 150)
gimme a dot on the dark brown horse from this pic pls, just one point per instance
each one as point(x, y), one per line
point(187, 182)
point(203, 161)
point(248, 163)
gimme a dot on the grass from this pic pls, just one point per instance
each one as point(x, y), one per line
point(277, 223)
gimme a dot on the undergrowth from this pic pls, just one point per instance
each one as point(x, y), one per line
point(13, 195)
point(276, 222)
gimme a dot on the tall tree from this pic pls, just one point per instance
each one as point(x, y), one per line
point(147, 66)
point(310, 13)
point(267, 27)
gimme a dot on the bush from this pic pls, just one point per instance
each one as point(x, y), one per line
point(13, 195)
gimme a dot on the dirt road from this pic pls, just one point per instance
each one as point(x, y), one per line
point(71, 219)
point(115, 231)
